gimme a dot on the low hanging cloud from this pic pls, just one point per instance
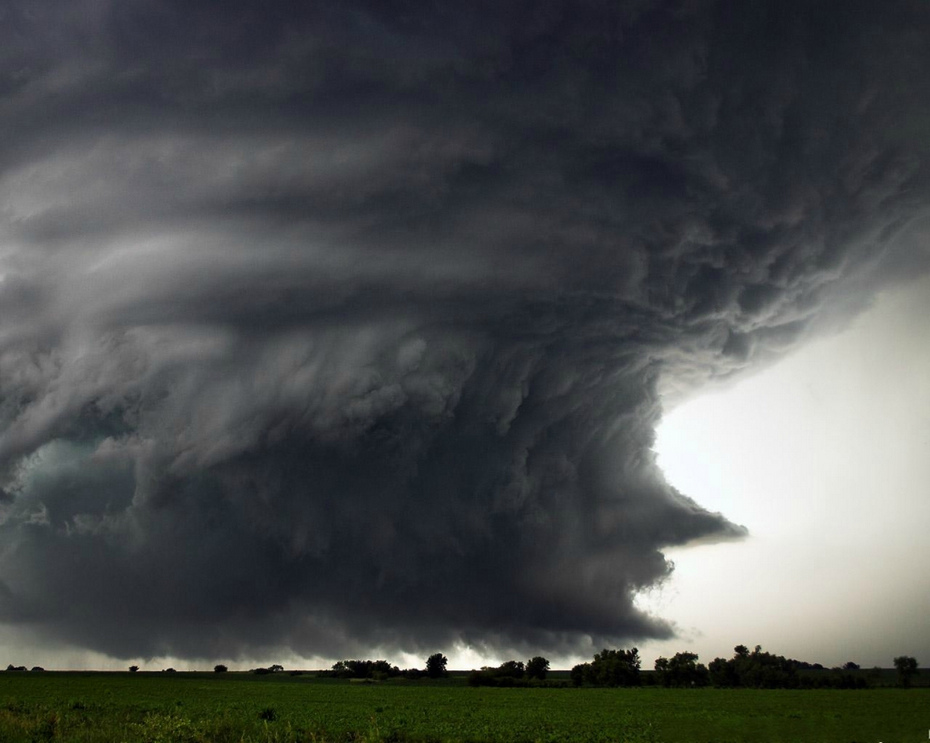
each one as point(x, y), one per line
point(341, 327)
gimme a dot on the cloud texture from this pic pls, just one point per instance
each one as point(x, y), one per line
point(334, 326)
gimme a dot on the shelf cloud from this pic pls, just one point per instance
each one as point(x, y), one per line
point(337, 326)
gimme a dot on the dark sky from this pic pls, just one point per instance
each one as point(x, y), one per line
point(332, 326)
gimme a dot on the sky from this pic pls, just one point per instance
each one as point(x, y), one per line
point(838, 518)
point(381, 328)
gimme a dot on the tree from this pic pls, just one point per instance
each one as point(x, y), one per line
point(756, 670)
point(850, 666)
point(682, 670)
point(133, 669)
point(579, 672)
point(609, 668)
point(537, 668)
point(907, 667)
point(722, 673)
point(220, 668)
point(436, 665)
point(511, 669)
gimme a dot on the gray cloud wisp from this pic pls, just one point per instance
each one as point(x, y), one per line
point(340, 327)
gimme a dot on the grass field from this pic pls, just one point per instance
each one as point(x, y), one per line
point(186, 707)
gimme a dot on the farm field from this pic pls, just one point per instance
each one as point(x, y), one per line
point(189, 707)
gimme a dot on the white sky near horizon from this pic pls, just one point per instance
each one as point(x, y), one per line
point(824, 456)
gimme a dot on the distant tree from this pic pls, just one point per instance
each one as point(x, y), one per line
point(682, 670)
point(510, 673)
point(37, 668)
point(907, 668)
point(169, 670)
point(381, 669)
point(609, 668)
point(511, 669)
point(757, 670)
point(364, 669)
point(275, 668)
point(220, 668)
point(722, 673)
point(436, 665)
point(579, 672)
point(537, 668)
point(133, 669)
point(850, 666)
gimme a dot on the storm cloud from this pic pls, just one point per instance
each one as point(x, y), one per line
point(337, 326)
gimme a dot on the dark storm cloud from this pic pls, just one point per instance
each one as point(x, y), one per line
point(339, 326)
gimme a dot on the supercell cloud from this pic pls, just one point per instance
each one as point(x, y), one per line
point(332, 326)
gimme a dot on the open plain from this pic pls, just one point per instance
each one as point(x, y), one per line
point(189, 707)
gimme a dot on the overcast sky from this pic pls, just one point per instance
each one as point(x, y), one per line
point(341, 329)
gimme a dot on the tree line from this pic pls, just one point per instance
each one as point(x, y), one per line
point(755, 669)
point(511, 673)
point(380, 670)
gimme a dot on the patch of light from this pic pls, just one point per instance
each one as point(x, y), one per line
point(823, 458)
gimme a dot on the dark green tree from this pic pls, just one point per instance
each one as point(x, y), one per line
point(756, 670)
point(907, 669)
point(609, 668)
point(579, 672)
point(511, 669)
point(682, 670)
point(436, 665)
point(537, 668)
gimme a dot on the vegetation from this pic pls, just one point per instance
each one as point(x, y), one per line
point(609, 668)
point(682, 670)
point(436, 666)
point(511, 673)
point(907, 669)
point(757, 670)
point(537, 668)
point(242, 707)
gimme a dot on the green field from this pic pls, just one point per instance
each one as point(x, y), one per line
point(241, 707)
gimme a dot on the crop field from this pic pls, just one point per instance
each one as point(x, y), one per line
point(187, 707)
